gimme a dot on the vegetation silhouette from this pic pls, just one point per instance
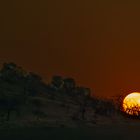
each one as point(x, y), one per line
point(25, 94)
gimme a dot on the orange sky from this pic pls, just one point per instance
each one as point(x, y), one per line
point(96, 42)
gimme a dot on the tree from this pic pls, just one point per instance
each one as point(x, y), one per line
point(37, 108)
point(69, 84)
point(33, 84)
point(11, 88)
point(57, 82)
point(9, 104)
point(12, 73)
point(118, 101)
point(82, 96)
point(105, 108)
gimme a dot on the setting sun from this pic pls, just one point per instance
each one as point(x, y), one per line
point(131, 104)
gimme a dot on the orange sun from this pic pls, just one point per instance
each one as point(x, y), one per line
point(131, 104)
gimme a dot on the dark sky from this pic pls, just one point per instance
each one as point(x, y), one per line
point(97, 42)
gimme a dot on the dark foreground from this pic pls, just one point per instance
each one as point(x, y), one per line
point(112, 132)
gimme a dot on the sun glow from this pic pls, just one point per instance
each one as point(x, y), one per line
point(131, 104)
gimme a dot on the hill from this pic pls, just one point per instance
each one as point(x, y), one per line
point(25, 99)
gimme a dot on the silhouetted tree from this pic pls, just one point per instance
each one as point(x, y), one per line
point(37, 106)
point(57, 82)
point(9, 105)
point(34, 84)
point(105, 108)
point(12, 74)
point(82, 96)
point(69, 84)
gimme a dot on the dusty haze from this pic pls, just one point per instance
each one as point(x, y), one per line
point(96, 42)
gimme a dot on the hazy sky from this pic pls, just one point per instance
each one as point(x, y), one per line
point(97, 42)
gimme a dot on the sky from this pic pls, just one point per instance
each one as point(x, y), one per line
point(97, 42)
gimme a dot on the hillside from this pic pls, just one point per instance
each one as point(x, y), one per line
point(25, 99)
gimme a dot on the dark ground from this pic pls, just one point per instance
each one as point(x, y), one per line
point(112, 132)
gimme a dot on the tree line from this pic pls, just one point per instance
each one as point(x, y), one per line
point(17, 87)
